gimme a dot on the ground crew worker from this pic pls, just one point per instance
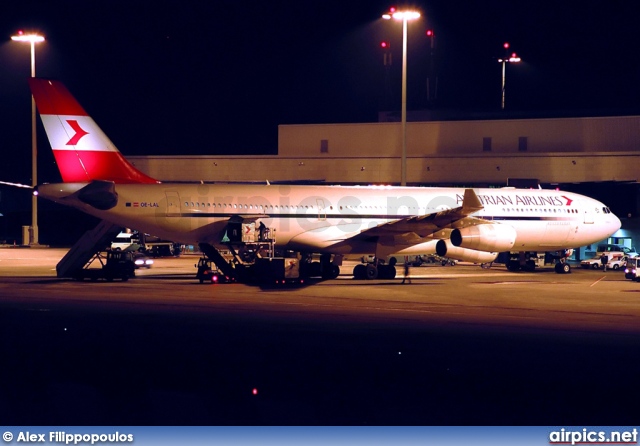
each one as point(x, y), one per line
point(406, 277)
point(604, 260)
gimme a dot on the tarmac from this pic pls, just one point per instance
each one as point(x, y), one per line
point(459, 345)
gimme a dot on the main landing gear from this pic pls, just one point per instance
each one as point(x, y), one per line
point(375, 270)
point(562, 267)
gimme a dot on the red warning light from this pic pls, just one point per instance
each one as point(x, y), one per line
point(506, 45)
point(254, 391)
point(385, 45)
point(392, 9)
point(429, 32)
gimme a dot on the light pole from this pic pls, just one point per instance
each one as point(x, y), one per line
point(405, 16)
point(513, 58)
point(32, 39)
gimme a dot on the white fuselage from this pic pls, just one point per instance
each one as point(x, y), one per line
point(330, 218)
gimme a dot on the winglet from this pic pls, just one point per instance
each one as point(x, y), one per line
point(471, 203)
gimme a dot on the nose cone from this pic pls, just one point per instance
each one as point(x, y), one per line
point(615, 223)
point(609, 225)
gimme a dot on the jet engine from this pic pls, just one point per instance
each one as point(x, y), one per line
point(485, 237)
point(444, 248)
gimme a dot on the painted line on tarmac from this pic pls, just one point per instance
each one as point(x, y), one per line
point(596, 282)
point(512, 282)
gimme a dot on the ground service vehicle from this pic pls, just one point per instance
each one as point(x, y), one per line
point(207, 272)
point(617, 263)
point(133, 241)
point(615, 251)
point(115, 265)
point(141, 260)
point(278, 271)
point(593, 262)
point(631, 270)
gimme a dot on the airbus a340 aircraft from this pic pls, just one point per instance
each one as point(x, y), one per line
point(465, 224)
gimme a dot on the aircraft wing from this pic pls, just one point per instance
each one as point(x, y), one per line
point(426, 225)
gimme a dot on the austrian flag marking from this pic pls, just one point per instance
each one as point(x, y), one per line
point(79, 132)
point(141, 204)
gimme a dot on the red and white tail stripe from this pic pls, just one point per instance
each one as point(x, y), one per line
point(82, 151)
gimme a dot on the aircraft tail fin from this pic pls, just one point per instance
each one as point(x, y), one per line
point(81, 149)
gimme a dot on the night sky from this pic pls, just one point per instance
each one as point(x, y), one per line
point(210, 77)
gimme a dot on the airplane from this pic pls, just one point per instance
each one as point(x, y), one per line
point(465, 224)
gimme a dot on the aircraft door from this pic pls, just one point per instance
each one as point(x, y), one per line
point(588, 210)
point(173, 203)
point(322, 213)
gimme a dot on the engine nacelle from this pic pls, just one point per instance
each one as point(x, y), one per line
point(485, 237)
point(444, 248)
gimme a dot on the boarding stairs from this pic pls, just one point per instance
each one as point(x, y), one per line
point(214, 255)
point(93, 241)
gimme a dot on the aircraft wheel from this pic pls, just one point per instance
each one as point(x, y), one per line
point(315, 269)
point(563, 268)
point(386, 272)
point(513, 265)
point(392, 272)
point(330, 271)
point(372, 271)
point(360, 271)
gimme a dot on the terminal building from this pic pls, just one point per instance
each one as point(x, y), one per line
point(473, 152)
